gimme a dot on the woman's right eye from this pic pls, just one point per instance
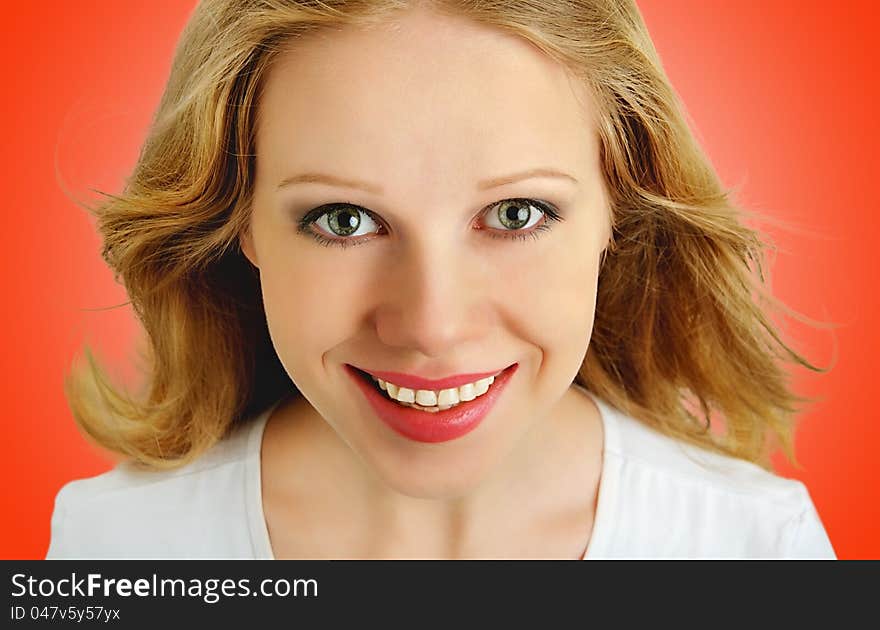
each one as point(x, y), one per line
point(339, 222)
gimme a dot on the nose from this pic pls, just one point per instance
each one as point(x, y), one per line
point(435, 298)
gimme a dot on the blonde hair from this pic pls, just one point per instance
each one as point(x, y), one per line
point(680, 331)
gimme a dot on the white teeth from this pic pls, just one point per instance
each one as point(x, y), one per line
point(448, 396)
point(426, 397)
point(436, 400)
point(466, 392)
point(405, 394)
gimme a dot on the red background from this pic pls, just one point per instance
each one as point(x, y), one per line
point(782, 96)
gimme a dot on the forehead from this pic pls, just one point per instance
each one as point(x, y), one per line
point(425, 92)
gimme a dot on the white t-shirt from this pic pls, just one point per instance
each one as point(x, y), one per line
point(658, 498)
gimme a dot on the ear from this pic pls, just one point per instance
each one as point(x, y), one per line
point(246, 243)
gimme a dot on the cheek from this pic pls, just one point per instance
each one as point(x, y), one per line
point(557, 291)
point(554, 303)
point(309, 305)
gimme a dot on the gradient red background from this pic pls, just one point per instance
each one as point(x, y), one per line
point(782, 96)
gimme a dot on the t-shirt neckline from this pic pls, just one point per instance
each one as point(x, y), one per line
point(607, 491)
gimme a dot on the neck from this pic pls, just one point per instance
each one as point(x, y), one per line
point(544, 486)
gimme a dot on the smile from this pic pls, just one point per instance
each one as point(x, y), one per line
point(431, 415)
point(433, 401)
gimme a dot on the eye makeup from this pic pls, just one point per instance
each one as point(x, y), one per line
point(306, 223)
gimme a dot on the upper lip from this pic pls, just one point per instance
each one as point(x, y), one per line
point(418, 382)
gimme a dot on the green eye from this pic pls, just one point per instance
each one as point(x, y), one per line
point(338, 222)
point(514, 214)
point(343, 221)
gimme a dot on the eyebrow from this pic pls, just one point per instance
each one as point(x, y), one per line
point(333, 180)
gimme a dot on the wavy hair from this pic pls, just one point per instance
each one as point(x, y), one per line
point(681, 331)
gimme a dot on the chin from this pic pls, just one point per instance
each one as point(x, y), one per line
point(431, 475)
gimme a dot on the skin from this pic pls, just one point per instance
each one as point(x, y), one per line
point(406, 108)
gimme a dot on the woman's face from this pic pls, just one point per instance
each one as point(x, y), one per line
point(422, 129)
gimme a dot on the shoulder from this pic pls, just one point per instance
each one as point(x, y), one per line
point(196, 510)
point(679, 500)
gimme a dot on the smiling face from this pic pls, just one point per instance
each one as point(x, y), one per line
point(419, 125)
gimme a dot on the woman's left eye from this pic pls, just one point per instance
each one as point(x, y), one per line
point(508, 220)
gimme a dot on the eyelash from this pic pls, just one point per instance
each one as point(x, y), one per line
point(551, 214)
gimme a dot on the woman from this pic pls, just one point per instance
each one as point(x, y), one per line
point(434, 280)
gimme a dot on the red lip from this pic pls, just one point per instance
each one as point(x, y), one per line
point(425, 426)
point(417, 382)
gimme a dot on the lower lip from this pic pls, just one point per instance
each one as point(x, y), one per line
point(427, 426)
